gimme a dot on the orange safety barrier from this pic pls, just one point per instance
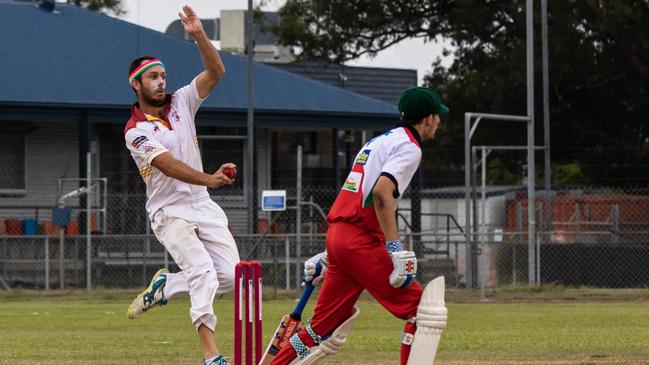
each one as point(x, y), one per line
point(14, 227)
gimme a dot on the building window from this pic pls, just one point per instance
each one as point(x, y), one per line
point(308, 141)
point(12, 162)
point(317, 160)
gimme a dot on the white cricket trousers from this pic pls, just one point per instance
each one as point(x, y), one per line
point(197, 237)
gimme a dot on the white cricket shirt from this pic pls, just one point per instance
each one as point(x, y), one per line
point(395, 154)
point(147, 137)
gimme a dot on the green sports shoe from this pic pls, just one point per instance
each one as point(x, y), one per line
point(152, 296)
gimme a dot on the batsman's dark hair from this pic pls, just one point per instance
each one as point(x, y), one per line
point(135, 64)
point(412, 123)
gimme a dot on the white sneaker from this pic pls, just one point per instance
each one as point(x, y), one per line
point(152, 296)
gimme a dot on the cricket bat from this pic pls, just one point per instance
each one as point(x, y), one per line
point(288, 326)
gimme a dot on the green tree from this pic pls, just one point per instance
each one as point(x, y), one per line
point(99, 5)
point(599, 71)
point(568, 174)
point(341, 30)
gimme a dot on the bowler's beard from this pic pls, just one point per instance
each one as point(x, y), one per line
point(148, 98)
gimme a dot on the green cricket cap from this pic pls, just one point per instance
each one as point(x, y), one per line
point(419, 102)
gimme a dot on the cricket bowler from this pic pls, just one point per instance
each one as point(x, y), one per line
point(161, 136)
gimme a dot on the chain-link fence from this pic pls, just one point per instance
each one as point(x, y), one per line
point(585, 236)
point(593, 237)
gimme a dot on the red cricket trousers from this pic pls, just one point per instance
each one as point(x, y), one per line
point(358, 260)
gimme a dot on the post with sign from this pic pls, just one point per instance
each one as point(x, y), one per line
point(273, 200)
point(61, 218)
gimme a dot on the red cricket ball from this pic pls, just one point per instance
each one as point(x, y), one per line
point(230, 172)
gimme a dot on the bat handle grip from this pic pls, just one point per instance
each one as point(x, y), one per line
point(299, 308)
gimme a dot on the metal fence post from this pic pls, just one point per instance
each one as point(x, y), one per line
point(483, 230)
point(287, 251)
point(539, 215)
point(538, 259)
point(88, 222)
point(47, 263)
point(298, 218)
point(519, 228)
point(4, 266)
point(250, 121)
point(514, 273)
point(615, 220)
point(531, 201)
point(547, 175)
point(467, 198)
point(61, 258)
point(473, 283)
point(577, 220)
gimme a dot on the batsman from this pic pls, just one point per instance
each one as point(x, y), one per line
point(363, 249)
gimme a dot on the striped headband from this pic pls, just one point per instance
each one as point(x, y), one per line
point(143, 67)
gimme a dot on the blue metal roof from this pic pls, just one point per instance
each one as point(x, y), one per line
point(78, 58)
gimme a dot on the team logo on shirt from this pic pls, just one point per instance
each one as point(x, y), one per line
point(175, 116)
point(353, 182)
point(361, 159)
point(138, 141)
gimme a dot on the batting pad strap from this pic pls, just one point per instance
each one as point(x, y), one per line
point(406, 338)
point(300, 348)
point(312, 333)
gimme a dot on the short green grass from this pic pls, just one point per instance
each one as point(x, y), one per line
point(555, 326)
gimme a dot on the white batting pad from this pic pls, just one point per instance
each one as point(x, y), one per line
point(431, 321)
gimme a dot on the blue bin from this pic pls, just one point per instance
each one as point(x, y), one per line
point(30, 226)
point(61, 216)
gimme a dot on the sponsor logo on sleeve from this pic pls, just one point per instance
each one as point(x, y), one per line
point(137, 142)
point(353, 182)
point(148, 149)
point(361, 159)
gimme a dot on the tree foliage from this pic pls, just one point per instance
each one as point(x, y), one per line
point(99, 5)
point(599, 71)
point(341, 30)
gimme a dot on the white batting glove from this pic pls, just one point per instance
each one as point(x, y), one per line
point(404, 265)
point(315, 269)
